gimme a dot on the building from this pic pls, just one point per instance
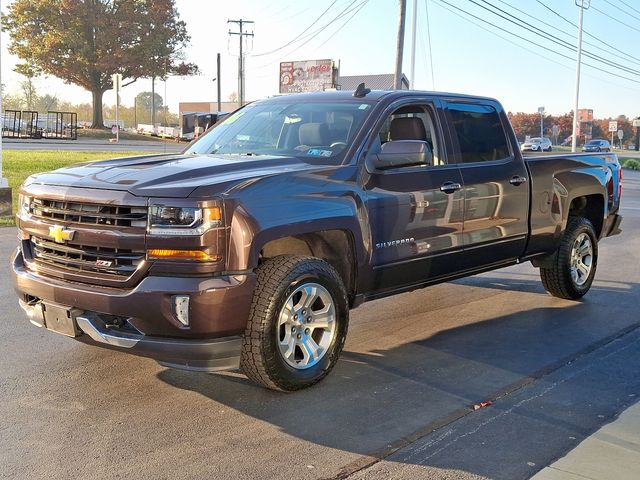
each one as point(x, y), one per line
point(585, 124)
point(382, 81)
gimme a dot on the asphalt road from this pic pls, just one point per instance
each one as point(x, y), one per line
point(93, 145)
point(398, 404)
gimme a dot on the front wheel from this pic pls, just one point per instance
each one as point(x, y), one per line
point(573, 266)
point(297, 323)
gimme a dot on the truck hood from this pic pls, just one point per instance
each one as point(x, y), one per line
point(168, 176)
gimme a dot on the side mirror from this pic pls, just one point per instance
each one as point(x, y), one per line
point(402, 153)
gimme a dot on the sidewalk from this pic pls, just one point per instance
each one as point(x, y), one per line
point(613, 452)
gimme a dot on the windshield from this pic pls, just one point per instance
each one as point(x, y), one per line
point(319, 131)
point(593, 142)
point(535, 140)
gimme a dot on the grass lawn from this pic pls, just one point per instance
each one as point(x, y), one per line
point(17, 165)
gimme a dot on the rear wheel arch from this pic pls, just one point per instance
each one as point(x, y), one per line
point(590, 207)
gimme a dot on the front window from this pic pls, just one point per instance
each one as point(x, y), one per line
point(317, 131)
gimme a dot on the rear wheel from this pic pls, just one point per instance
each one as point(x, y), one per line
point(573, 266)
point(297, 324)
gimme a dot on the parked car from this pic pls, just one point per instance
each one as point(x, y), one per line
point(250, 248)
point(537, 144)
point(597, 145)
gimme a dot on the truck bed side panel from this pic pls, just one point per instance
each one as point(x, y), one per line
point(556, 181)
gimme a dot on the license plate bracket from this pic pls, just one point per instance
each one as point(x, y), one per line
point(61, 319)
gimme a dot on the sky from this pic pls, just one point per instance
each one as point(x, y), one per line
point(467, 54)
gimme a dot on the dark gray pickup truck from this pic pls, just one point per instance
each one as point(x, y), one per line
point(249, 249)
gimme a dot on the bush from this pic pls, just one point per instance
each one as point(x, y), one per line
point(631, 164)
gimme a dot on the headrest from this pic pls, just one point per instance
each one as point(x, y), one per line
point(314, 134)
point(407, 128)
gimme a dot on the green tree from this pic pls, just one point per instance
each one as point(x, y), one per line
point(85, 42)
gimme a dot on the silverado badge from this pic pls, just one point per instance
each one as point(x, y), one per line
point(59, 234)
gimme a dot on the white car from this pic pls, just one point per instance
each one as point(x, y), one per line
point(537, 144)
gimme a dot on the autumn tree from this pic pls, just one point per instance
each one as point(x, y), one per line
point(85, 42)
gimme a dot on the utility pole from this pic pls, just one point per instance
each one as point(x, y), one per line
point(117, 82)
point(414, 22)
point(584, 5)
point(218, 78)
point(541, 112)
point(241, 34)
point(397, 82)
point(5, 191)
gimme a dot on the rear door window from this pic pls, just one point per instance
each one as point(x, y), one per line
point(478, 131)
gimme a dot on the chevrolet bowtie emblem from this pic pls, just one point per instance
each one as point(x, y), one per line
point(59, 234)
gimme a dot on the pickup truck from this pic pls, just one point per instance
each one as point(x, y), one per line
point(249, 249)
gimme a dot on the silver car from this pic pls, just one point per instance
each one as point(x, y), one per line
point(537, 144)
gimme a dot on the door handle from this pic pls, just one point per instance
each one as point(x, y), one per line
point(517, 180)
point(450, 187)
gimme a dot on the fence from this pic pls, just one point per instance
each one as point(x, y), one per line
point(30, 124)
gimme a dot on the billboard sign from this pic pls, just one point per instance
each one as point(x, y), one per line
point(306, 76)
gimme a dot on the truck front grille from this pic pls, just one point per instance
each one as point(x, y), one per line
point(89, 213)
point(114, 262)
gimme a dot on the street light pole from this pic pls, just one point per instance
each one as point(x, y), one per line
point(584, 4)
point(541, 112)
point(414, 22)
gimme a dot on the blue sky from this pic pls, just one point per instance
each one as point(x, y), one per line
point(467, 57)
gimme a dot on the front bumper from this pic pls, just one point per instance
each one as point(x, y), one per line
point(201, 355)
point(218, 312)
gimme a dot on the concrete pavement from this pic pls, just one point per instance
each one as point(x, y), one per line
point(611, 452)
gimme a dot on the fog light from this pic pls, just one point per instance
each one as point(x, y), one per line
point(181, 309)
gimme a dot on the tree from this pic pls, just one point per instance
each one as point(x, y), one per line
point(85, 42)
point(145, 102)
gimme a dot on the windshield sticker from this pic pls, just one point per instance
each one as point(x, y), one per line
point(363, 106)
point(243, 138)
point(233, 118)
point(316, 152)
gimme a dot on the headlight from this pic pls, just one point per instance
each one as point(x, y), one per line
point(165, 220)
point(24, 205)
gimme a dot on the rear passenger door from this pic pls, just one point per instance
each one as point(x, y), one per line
point(495, 179)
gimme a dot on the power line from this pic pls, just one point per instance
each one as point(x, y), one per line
point(585, 32)
point(615, 19)
point(426, 11)
point(358, 8)
point(537, 44)
point(312, 35)
point(626, 4)
point(550, 37)
point(534, 52)
point(623, 11)
point(615, 52)
point(297, 37)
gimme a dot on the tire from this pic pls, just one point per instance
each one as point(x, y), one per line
point(561, 279)
point(283, 284)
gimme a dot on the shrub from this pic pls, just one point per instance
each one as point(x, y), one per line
point(631, 164)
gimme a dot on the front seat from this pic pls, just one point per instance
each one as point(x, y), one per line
point(314, 134)
point(407, 128)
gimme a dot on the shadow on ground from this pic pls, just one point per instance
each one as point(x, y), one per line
point(406, 392)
